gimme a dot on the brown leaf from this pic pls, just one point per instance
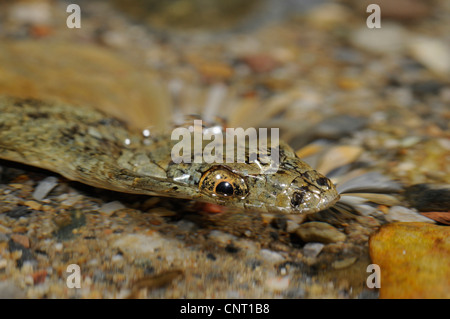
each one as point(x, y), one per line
point(440, 217)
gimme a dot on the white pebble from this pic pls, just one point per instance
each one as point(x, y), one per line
point(403, 214)
point(145, 244)
point(59, 247)
point(35, 13)
point(388, 39)
point(291, 226)
point(277, 283)
point(445, 143)
point(3, 263)
point(87, 281)
point(44, 187)
point(433, 53)
point(186, 225)
point(271, 256)
point(93, 262)
point(221, 237)
point(111, 207)
point(312, 249)
point(117, 258)
point(28, 280)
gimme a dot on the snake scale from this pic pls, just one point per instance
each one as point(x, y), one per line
point(88, 146)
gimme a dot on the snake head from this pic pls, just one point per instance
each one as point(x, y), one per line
point(304, 192)
point(295, 188)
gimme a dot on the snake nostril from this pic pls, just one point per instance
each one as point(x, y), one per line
point(297, 198)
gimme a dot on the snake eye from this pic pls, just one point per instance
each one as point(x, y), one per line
point(223, 183)
point(225, 189)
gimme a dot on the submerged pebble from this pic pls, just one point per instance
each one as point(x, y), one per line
point(403, 214)
point(429, 197)
point(312, 249)
point(271, 256)
point(44, 187)
point(319, 232)
point(111, 207)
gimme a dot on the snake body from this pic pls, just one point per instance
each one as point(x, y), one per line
point(88, 146)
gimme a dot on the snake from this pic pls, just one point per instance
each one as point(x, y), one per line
point(89, 146)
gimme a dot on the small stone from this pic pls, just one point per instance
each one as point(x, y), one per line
point(185, 225)
point(111, 207)
point(410, 141)
point(114, 39)
point(221, 237)
point(429, 197)
point(320, 232)
point(344, 263)
point(432, 53)
point(277, 283)
point(33, 205)
point(5, 230)
point(137, 243)
point(215, 70)
point(20, 229)
point(44, 187)
point(328, 16)
point(348, 83)
point(117, 258)
point(403, 214)
point(291, 226)
point(386, 40)
point(312, 249)
point(59, 247)
point(31, 12)
point(271, 256)
point(70, 201)
point(3, 263)
point(28, 280)
point(261, 62)
point(21, 239)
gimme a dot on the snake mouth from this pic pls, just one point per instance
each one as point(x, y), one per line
point(305, 202)
point(329, 201)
